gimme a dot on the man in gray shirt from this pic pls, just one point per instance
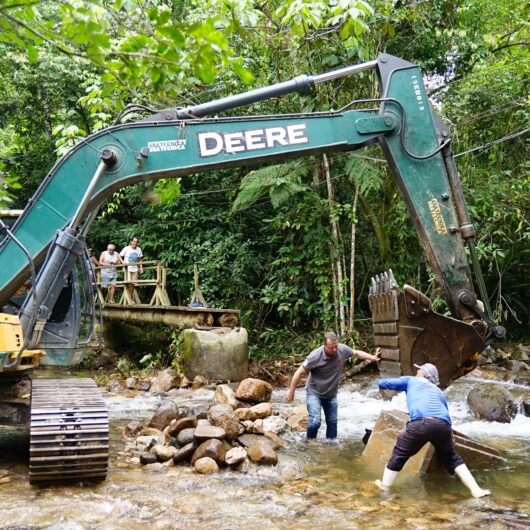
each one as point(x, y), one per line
point(324, 366)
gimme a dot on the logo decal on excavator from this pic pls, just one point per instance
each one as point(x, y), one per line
point(213, 143)
point(437, 217)
point(166, 145)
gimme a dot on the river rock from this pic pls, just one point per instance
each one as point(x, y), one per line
point(262, 453)
point(254, 390)
point(521, 353)
point(260, 411)
point(257, 427)
point(114, 386)
point(184, 382)
point(206, 466)
point(235, 455)
point(493, 403)
point(166, 412)
point(189, 422)
point(297, 423)
point(150, 441)
point(275, 424)
point(147, 458)
point(526, 405)
point(201, 411)
point(242, 414)
point(165, 381)
point(212, 448)
point(246, 440)
point(132, 428)
point(150, 431)
point(185, 437)
point(275, 440)
point(223, 416)
point(248, 425)
point(130, 383)
point(224, 395)
point(185, 453)
point(164, 452)
point(198, 382)
point(516, 366)
point(204, 432)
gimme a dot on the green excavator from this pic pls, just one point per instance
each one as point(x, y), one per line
point(67, 418)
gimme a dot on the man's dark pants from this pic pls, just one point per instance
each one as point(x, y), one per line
point(417, 434)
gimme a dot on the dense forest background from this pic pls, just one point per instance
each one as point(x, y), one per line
point(292, 245)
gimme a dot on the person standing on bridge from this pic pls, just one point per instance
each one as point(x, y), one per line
point(429, 422)
point(109, 259)
point(324, 366)
point(132, 254)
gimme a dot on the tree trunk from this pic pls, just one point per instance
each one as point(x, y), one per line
point(352, 259)
point(338, 280)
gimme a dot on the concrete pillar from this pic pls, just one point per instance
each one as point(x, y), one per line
point(220, 353)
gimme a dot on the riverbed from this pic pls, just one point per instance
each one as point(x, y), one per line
point(321, 486)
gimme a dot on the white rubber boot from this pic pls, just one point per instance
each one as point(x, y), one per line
point(463, 473)
point(389, 477)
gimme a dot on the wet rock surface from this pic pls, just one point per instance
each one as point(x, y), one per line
point(254, 391)
point(492, 403)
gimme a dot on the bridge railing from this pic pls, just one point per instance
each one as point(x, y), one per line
point(152, 275)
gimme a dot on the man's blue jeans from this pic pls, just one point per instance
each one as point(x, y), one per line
point(330, 406)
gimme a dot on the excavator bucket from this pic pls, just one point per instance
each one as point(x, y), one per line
point(409, 332)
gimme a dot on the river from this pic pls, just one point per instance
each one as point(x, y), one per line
point(323, 486)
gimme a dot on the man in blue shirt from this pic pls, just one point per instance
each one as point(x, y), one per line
point(429, 422)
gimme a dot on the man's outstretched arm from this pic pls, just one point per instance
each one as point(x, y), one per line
point(294, 383)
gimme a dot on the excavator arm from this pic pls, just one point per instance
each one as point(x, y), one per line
point(175, 142)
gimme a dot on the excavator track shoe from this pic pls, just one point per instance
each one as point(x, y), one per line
point(69, 431)
point(410, 332)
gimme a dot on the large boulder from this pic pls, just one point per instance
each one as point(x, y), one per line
point(215, 354)
point(223, 416)
point(212, 448)
point(492, 403)
point(254, 390)
point(166, 412)
point(262, 453)
point(165, 381)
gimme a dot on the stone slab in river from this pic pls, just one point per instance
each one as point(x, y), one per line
point(384, 436)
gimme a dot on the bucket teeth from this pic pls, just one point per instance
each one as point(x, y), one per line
point(409, 332)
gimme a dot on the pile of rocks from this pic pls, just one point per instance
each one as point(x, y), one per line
point(238, 428)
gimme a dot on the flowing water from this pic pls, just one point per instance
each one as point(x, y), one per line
point(322, 486)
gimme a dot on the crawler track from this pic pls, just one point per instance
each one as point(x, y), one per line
point(69, 431)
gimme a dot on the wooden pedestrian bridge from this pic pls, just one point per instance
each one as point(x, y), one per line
point(149, 301)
